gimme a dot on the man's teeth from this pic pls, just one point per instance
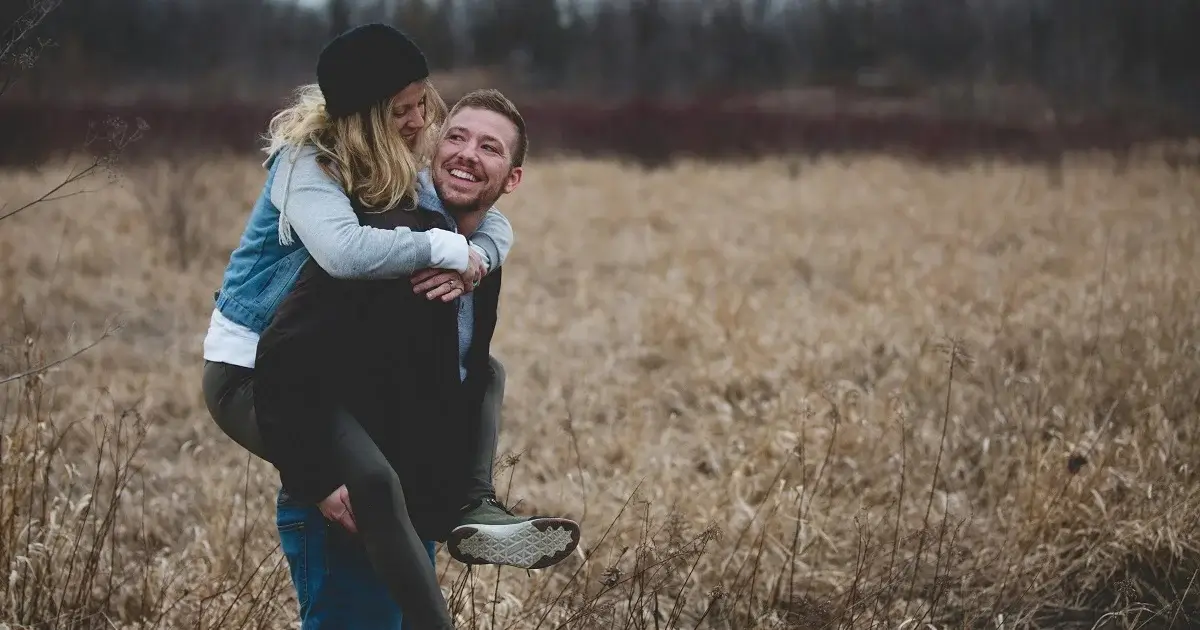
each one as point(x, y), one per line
point(461, 174)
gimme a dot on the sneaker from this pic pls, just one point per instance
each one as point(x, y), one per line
point(490, 534)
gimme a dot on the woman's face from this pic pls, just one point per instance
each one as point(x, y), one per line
point(408, 111)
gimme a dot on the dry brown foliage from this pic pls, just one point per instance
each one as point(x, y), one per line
point(861, 394)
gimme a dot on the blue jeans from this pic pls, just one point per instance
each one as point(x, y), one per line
point(335, 584)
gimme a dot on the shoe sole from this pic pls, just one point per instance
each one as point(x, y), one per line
point(532, 544)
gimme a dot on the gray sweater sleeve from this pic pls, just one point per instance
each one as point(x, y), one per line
point(494, 237)
point(313, 205)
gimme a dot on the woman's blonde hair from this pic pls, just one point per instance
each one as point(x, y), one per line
point(363, 152)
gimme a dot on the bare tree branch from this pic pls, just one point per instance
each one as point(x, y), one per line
point(18, 32)
point(117, 134)
point(29, 20)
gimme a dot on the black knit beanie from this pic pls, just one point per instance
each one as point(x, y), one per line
point(366, 65)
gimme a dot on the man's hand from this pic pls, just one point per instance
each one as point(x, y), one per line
point(336, 507)
point(475, 269)
point(439, 283)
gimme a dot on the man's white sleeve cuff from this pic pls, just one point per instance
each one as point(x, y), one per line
point(448, 250)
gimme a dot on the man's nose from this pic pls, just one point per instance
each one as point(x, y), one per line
point(470, 153)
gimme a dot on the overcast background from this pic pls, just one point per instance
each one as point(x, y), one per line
point(897, 64)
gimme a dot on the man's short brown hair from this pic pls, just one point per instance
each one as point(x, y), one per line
point(493, 101)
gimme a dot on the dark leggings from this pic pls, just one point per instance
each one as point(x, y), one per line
point(376, 494)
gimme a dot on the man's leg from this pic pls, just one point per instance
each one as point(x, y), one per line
point(335, 584)
point(487, 532)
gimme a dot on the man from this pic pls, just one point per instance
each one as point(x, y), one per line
point(413, 369)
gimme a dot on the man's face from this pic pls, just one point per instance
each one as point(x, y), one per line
point(473, 164)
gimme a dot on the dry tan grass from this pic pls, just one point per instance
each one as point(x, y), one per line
point(746, 375)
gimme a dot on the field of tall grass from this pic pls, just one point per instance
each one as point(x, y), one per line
point(838, 393)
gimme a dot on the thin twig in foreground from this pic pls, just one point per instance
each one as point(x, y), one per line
point(50, 195)
point(57, 362)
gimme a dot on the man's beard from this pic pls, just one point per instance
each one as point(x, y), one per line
point(482, 202)
point(456, 209)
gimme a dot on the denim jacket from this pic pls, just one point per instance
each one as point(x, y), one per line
point(261, 270)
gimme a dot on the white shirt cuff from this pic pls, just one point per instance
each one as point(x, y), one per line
point(448, 250)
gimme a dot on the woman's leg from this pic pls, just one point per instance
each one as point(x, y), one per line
point(229, 395)
point(399, 556)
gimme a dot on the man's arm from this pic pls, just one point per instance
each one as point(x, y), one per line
point(493, 239)
point(495, 234)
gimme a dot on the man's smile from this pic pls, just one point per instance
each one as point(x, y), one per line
point(458, 173)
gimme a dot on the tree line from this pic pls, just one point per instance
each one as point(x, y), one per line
point(1078, 52)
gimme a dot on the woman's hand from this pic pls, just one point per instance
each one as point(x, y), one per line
point(446, 284)
point(439, 283)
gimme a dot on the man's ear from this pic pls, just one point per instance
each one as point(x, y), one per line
point(514, 178)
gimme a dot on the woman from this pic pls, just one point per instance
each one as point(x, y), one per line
point(357, 139)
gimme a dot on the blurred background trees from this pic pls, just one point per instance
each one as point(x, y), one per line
point(1076, 53)
point(644, 77)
